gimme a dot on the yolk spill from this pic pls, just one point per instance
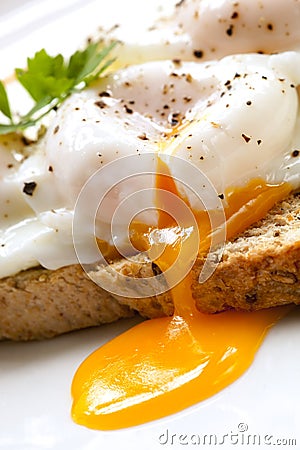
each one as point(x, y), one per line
point(164, 365)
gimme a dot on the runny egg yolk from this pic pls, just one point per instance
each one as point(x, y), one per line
point(164, 365)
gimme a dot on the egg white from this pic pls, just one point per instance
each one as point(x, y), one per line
point(131, 112)
point(211, 29)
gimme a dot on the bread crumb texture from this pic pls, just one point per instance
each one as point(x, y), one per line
point(40, 303)
point(259, 268)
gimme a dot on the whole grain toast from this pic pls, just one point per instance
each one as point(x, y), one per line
point(258, 269)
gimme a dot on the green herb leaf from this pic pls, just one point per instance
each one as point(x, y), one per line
point(84, 63)
point(49, 80)
point(4, 103)
point(45, 76)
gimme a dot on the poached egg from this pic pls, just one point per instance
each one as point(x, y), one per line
point(205, 30)
point(235, 120)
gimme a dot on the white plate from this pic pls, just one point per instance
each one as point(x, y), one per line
point(262, 406)
point(35, 400)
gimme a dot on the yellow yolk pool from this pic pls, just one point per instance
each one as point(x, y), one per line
point(164, 365)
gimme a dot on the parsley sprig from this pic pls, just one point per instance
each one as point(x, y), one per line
point(50, 80)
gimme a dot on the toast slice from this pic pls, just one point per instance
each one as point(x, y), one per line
point(258, 269)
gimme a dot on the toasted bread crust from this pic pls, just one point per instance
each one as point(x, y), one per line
point(258, 269)
point(40, 303)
